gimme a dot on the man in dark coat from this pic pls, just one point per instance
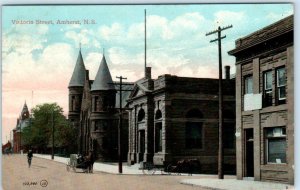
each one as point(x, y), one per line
point(29, 157)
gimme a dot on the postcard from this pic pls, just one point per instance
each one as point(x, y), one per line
point(145, 96)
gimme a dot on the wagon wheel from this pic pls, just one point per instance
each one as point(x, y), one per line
point(74, 168)
point(148, 168)
point(170, 169)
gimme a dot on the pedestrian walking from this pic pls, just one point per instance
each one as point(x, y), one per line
point(29, 157)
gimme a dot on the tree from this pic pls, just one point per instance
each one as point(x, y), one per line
point(38, 135)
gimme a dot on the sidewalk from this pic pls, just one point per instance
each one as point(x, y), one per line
point(234, 184)
point(208, 182)
point(102, 167)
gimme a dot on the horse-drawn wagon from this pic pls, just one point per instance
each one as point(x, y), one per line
point(76, 162)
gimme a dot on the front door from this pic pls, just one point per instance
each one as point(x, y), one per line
point(249, 156)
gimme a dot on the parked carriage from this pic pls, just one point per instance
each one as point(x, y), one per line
point(76, 162)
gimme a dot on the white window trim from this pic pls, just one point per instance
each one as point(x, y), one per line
point(246, 84)
point(267, 90)
point(280, 86)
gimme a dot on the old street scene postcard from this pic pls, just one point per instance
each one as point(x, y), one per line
point(185, 96)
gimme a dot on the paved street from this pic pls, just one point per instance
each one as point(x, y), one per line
point(17, 175)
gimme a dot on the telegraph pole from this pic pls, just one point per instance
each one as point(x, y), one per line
point(120, 119)
point(120, 126)
point(220, 151)
point(145, 41)
point(52, 152)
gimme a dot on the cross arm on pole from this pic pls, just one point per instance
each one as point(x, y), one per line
point(218, 30)
point(217, 39)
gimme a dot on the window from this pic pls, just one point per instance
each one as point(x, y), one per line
point(275, 141)
point(141, 115)
point(158, 137)
point(248, 85)
point(281, 84)
point(193, 135)
point(158, 114)
point(73, 103)
point(97, 125)
point(193, 130)
point(267, 89)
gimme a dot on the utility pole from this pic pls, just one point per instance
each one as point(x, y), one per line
point(220, 151)
point(120, 126)
point(120, 119)
point(20, 139)
point(52, 152)
point(145, 41)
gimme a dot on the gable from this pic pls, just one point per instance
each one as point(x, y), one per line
point(137, 92)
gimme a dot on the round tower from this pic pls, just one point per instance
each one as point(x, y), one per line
point(103, 94)
point(75, 94)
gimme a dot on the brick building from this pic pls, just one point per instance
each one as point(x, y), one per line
point(173, 118)
point(265, 103)
point(93, 110)
point(22, 122)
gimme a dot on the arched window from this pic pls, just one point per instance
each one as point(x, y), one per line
point(158, 114)
point(194, 130)
point(141, 115)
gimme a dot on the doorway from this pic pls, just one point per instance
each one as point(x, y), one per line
point(249, 153)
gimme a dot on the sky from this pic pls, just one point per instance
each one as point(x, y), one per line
point(38, 59)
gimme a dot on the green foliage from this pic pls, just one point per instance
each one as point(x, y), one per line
point(38, 134)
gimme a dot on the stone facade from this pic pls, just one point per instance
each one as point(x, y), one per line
point(94, 112)
point(264, 77)
point(163, 111)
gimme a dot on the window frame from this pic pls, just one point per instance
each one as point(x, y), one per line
point(246, 79)
point(193, 146)
point(266, 140)
point(278, 86)
point(267, 91)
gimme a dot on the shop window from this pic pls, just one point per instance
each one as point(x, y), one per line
point(248, 84)
point(275, 141)
point(281, 85)
point(267, 95)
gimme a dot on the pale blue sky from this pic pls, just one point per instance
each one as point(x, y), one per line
point(41, 58)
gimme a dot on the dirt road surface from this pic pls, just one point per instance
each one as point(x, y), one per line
point(47, 174)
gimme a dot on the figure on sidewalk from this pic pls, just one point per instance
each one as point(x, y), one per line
point(29, 157)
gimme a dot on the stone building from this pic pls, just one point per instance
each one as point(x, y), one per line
point(173, 118)
point(93, 110)
point(265, 103)
point(22, 122)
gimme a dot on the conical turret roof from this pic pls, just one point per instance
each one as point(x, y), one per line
point(25, 108)
point(103, 80)
point(78, 75)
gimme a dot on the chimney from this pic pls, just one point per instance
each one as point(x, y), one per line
point(227, 72)
point(148, 73)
